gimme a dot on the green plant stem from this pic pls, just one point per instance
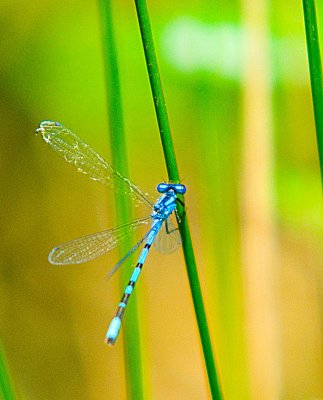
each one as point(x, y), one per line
point(157, 91)
point(173, 174)
point(315, 66)
point(132, 348)
point(6, 388)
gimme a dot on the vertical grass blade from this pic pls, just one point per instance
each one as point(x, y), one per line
point(258, 243)
point(133, 361)
point(315, 66)
point(6, 388)
point(173, 174)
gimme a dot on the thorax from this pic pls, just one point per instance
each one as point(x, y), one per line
point(164, 206)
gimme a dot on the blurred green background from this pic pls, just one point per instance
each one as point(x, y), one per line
point(237, 88)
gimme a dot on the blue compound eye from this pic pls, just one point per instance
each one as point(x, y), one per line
point(162, 188)
point(181, 189)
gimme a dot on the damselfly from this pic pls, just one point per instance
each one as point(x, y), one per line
point(161, 232)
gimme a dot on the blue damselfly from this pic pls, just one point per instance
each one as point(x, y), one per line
point(162, 233)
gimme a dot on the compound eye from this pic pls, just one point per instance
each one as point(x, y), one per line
point(162, 188)
point(181, 189)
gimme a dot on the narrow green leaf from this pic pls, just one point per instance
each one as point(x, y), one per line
point(6, 388)
point(173, 174)
point(315, 66)
point(133, 359)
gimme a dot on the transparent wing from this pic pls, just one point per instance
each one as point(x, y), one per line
point(89, 247)
point(135, 247)
point(168, 238)
point(86, 160)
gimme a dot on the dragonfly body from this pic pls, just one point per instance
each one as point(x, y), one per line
point(83, 249)
point(163, 208)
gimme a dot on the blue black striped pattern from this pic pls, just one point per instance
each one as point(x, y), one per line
point(163, 208)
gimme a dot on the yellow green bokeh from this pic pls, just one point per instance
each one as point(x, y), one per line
point(53, 320)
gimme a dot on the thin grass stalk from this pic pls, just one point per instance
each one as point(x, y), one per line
point(132, 349)
point(173, 174)
point(315, 67)
point(6, 387)
point(259, 250)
